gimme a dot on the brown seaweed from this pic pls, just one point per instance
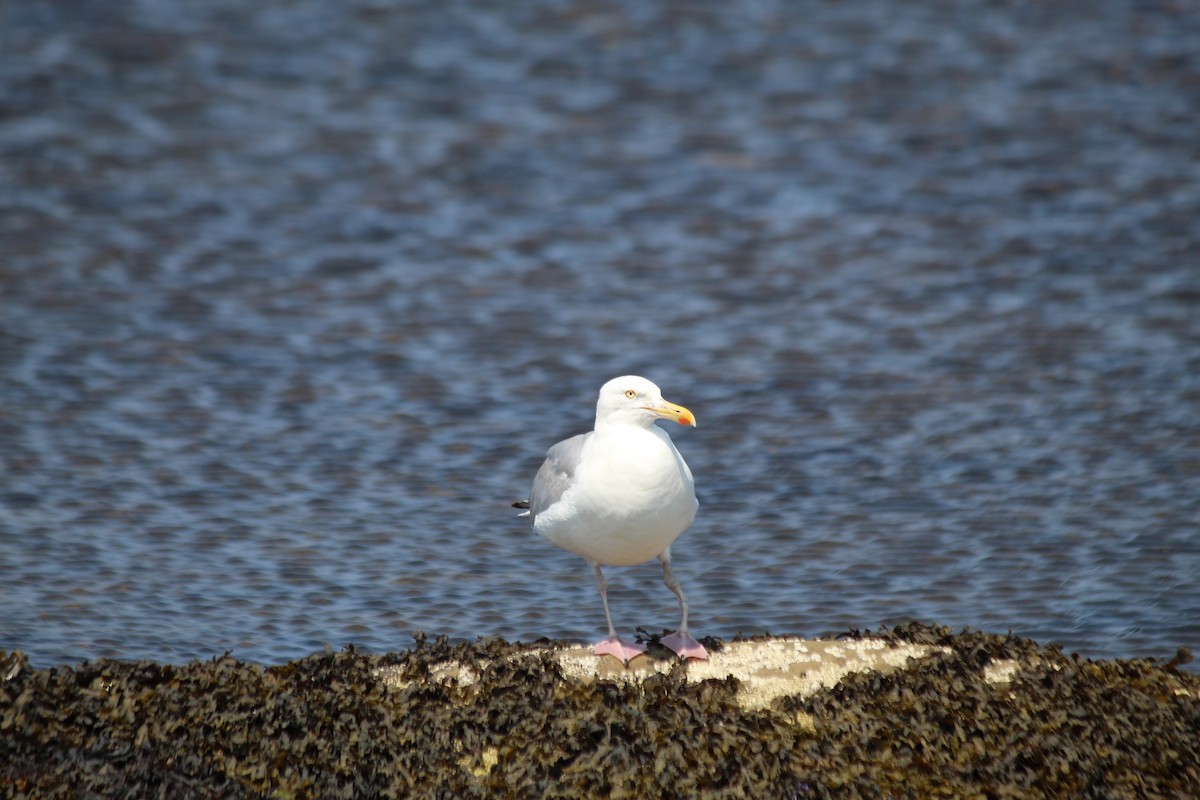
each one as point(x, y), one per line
point(327, 726)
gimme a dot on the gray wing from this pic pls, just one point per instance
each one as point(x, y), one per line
point(556, 473)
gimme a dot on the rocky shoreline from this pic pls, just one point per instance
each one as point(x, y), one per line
point(916, 711)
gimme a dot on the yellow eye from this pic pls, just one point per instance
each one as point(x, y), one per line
point(630, 393)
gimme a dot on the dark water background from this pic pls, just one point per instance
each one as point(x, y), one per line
point(295, 295)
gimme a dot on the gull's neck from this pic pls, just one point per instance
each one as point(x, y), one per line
point(624, 424)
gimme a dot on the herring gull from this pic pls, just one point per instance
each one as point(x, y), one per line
point(619, 496)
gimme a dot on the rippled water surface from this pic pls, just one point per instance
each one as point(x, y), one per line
point(294, 297)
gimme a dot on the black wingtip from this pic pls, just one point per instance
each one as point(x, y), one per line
point(521, 504)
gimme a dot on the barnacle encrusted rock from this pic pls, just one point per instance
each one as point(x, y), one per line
point(912, 712)
point(765, 669)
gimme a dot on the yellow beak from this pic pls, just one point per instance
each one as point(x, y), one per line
point(673, 412)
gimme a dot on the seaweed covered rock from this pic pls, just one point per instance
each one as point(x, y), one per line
point(512, 723)
point(1056, 726)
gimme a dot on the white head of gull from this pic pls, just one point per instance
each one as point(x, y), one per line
point(620, 495)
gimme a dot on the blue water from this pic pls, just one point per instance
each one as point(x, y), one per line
point(294, 297)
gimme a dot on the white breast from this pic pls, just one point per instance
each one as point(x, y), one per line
point(632, 495)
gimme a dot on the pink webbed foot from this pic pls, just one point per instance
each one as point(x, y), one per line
point(612, 646)
point(684, 646)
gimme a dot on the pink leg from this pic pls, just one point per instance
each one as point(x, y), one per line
point(613, 645)
point(680, 642)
